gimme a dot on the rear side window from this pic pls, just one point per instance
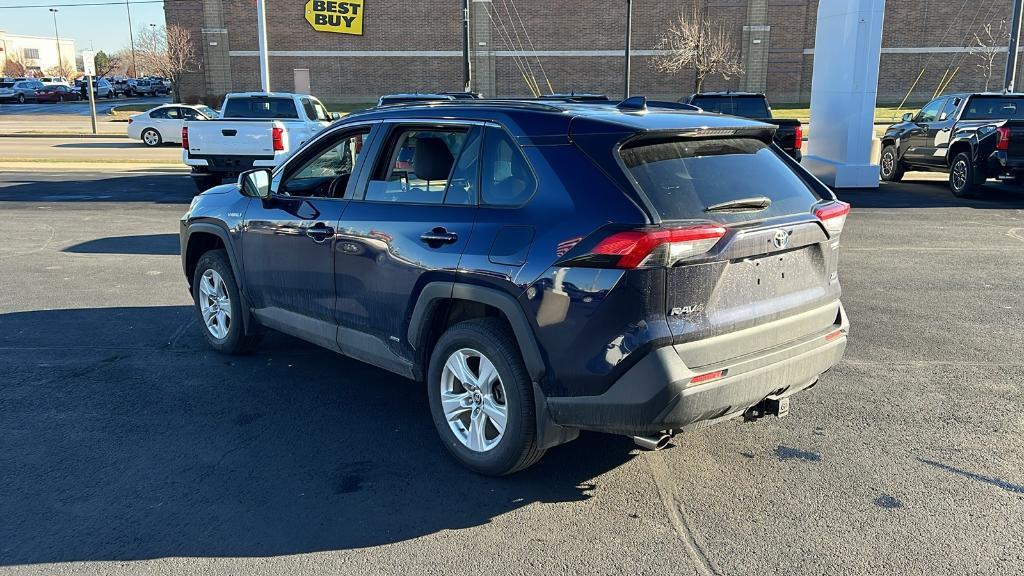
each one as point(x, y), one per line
point(993, 108)
point(682, 178)
point(507, 178)
point(269, 108)
point(418, 166)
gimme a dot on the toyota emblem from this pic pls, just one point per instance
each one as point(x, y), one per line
point(781, 239)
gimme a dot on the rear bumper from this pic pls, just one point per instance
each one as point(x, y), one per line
point(656, 393)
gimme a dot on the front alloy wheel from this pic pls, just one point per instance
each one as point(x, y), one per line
point(473, 400)
point(215, 304)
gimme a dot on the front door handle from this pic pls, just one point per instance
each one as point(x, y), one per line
point(439, 236)
point(319, 232)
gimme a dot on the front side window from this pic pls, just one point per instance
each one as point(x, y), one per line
point(158, 114)
point(507, 178)
point(931, 110)
point(327, 173)
point(417, 166)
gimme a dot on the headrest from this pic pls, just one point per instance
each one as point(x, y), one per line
point(432, 160)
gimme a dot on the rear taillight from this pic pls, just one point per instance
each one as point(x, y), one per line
point(655, 247)
point(833, 216)
point(1002, 138)
point(278, 136)
point(799, 137)
point(130, 120)
point(184, 137)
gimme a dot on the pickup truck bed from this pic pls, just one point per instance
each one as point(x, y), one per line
point(789, 135)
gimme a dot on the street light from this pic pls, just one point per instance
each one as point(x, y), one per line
point(60, 61)
point(131, 37)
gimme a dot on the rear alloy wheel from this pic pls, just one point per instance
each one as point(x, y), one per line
point(151, 137)
point(60, 97)
point(889, 167)
point(481, 398)
point(21, 98)
point(965, 177)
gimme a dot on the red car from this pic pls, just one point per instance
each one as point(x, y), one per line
point(57, 93)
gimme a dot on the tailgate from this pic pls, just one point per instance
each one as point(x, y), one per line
point(760, 295)
point(231, 138)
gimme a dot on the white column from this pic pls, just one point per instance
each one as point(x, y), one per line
point(847, 46)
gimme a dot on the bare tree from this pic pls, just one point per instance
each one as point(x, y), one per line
point(166, 51)
point(693, 41)
point(13, 66)
point(988, 46)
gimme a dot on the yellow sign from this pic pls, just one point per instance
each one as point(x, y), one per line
point(339, 16)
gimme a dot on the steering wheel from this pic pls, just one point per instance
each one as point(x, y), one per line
point(332, 188)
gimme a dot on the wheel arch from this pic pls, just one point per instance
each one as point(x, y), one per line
point(201, 237)
point(441, 304)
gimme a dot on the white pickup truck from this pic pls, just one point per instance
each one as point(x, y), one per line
point(254, 129)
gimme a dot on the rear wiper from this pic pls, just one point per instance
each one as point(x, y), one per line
point(741, 205)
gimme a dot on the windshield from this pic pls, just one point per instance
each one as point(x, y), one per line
point(746, 106)
point(207, 111)
point(682, 178)
point(260, 107)
point(993, 108)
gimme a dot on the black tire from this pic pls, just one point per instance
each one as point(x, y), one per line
point(159, 139)
point(890, 168)
point(965, 177)
point(517, 449)
point(60, 98)
point(205, 182)
point(235, 341)
point(21, 98)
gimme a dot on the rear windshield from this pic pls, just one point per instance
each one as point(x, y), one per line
point(6, 84)
point(746, 106)
point(684, 177)
point(260, 108)
point(993, 107)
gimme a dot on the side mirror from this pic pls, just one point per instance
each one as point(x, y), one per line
point(255, 183)
point(335, 115)
point(908, 117)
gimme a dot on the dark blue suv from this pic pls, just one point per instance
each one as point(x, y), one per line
point(544, 267)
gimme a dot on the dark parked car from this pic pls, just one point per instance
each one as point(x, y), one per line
point(790, 133)
point(57, 93)
point(973, 137)
point(545, 267)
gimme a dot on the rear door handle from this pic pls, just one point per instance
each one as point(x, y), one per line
point(439, 236)
point(319, 232)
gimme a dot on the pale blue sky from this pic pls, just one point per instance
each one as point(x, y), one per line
point(106, 27)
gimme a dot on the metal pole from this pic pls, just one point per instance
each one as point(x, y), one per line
point(60, 61)
point(629, 29)
point(131, 37)
point(92, 104)
point(467, 67)
point(1011, 51)
point(261, 33)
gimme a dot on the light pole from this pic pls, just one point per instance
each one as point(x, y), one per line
point(60, 61)
point(1010, 77)
point(131, 36)
point(629, 30)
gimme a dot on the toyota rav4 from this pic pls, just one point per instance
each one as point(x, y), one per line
point(544, 267)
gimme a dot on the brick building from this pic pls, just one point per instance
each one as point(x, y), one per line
point(416, 46)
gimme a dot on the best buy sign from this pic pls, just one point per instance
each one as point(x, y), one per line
point(342, 17)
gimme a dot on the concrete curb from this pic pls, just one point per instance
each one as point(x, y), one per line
point(59, 135)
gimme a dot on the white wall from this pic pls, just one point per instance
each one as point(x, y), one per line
point(15, 45)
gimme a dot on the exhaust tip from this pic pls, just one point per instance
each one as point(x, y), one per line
point(656, 442)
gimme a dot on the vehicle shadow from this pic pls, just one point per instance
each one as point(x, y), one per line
point(931, 194)
point(127, 439)
point(156, 188)
point(156, 244)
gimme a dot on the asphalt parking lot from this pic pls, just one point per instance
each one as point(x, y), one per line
point(127, 447)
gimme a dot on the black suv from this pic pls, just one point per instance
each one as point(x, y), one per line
point(544, 267)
